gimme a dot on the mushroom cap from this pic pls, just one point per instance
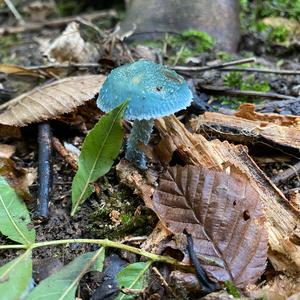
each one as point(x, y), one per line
point(152, 91)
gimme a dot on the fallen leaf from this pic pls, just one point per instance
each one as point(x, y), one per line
point(6, 151)
point(18, 178)
point(223, 213)
point(282, 219)
point(71, 47)
point(51, 100)
point(18, 70)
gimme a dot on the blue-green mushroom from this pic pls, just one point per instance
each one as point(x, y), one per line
point(152, 91)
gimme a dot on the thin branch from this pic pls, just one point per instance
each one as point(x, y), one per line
point(256, 70)
point(218, 66)
point(215, 90)
point(64, 66)
point(59, 22)
point(287, 174)
point(59, 147)
point(14, 11)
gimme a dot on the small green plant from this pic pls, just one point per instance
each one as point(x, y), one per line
point(16, 275)
point(231, 289)
point(101, 146)
point(236, 80)
point(278, 34)
point(178, 47)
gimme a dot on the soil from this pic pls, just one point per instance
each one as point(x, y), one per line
point(94, 219)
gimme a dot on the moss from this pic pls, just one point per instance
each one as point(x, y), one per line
point(6, 55)
point(238, 80)
point(115, 214)
point(231, 289)
point(178, 47)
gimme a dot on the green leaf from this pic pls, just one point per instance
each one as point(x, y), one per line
point(62, 285)
point(132, 277)
point(15, 277)
point(14, 216)
point(101, 146)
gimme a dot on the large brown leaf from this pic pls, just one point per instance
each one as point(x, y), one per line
point(223, 213)
point(51, 100)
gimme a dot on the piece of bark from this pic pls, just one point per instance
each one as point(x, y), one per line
point(282, 219)
point(247, 111)
point(249, 132)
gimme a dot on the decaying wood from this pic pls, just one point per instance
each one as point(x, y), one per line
point(282, 219)
point(249, 132)
point(247, 111)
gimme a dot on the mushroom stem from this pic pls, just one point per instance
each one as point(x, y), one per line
point(140, 133)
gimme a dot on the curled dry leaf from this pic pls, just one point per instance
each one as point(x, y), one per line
point(223, 213)
point(282, 218)
point(50, 101)
point(18, 178)
point(71, 47)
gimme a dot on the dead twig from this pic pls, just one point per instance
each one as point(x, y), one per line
point(216, 90)
point(53, 23)
point(256, 70)
point(287, 174)
point(14, 11)
point(58, 146)
point(217, 66)
point(163, 282)
point(44, 170)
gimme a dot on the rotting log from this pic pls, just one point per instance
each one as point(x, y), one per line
point(282, 218)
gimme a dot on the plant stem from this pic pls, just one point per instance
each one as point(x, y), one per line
point(104, 243)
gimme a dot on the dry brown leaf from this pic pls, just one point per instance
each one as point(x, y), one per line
point(223, 213)
point(18, 70)
point(17, 177)
point(6, 151)
point(282, 219)
point(71, 47)
point(50, 101)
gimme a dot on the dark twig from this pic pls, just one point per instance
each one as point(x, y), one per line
point(218, 66)
point(44, 170)
point(206, 284)
point(256, 70)
point(287, 174)
point(216, 90)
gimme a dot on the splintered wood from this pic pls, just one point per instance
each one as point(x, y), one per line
point(282, 219)
point(247, 127)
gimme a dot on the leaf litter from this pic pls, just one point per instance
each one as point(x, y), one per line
point(233, 176)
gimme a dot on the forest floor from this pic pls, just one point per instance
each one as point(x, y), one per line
point(114, 211)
